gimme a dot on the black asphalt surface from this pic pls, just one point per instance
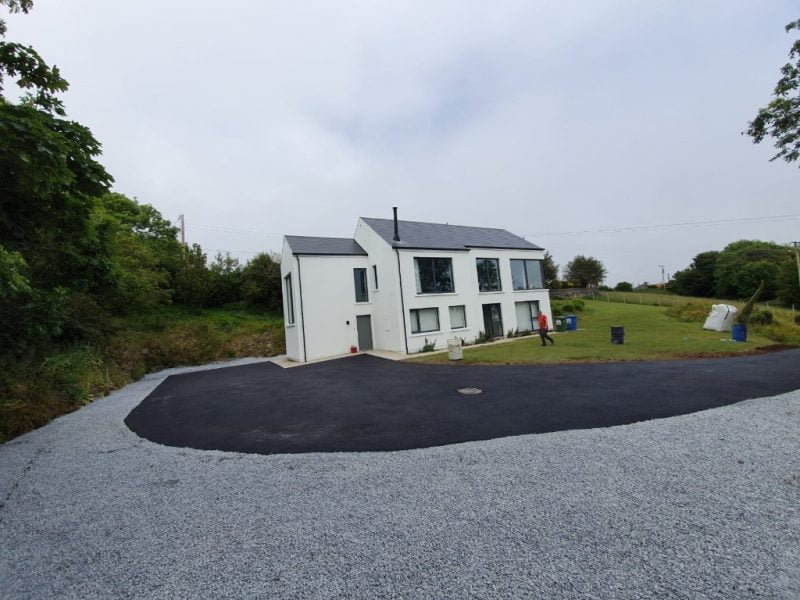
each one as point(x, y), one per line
point(372, 404)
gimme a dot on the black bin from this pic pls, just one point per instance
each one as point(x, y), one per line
point(617, 335)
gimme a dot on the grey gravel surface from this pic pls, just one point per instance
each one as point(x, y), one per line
point(704, 505)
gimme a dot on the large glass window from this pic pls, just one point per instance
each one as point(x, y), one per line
point(360, 280)
point(526, 274)
point(527, 312)
point(375, 275)
point(458, 317)
point(489, 274)
point(424, 320)
point(434, 275)
point(289, 299)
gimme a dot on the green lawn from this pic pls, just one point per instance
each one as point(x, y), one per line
point(649, 334)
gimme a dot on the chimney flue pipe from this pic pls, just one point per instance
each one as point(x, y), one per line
point(396, 232)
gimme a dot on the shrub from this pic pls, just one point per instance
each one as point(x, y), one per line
point(797, 319)
point(689, 311)
point(557, 312)
point(483, 337)
point(762, 317)
point(623, 286)
point(578, 305)
point(429, 346)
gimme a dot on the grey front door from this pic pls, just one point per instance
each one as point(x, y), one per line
point(364, 326)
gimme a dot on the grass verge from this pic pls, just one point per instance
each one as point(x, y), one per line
point(650, 334)
point(45, 387)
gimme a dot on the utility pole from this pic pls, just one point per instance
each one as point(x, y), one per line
point(183, 228)
point(797, 258)
point(663, 283)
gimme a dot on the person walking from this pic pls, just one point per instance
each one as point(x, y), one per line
point(543, 325)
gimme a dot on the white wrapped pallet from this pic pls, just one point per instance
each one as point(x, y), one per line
point(720, 318)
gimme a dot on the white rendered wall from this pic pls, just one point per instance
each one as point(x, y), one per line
point(329, 304)
point(387, 315)
point(467, 293)
point(293, 333)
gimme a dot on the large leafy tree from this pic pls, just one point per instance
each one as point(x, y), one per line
point(780, 119)
point(742, 265)
point(586, 271)
point(49, 182)
point(698, 278)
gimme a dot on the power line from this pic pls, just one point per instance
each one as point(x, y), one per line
point(235, 230)
point(667, 225)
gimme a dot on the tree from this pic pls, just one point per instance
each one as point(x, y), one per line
point(587, 271)
point(28, 69)
point(261, 282)
point(549, 270)
point(743, 264)
point(788, 287)
point(225, 280)
point(623, 286)
point(780, 119)
point(698, 278)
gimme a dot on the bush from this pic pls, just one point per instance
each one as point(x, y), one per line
point(762, 317)
point(428, 346)
point(483, 337)
point(578, 305)
point(689, 311)
point(623, 286)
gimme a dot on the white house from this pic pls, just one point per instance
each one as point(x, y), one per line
point(397, 284)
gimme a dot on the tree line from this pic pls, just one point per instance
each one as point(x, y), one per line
point(73, 254)
point(736, 271)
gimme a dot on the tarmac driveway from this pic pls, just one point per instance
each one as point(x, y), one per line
point(365, 403)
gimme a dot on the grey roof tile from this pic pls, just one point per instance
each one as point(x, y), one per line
point(437, 236)
point(302, 244)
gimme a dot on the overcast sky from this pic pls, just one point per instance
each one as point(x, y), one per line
point(258, 119)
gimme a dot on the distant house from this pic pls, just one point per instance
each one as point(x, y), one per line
point(396, 284)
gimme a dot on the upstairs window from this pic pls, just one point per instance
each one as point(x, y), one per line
point(526, 274)
point(489, 274)
point(375, 275)
point(434, 275)
point(289, 299)
point(360, 281)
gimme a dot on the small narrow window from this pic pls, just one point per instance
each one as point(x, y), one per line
point(289, 299)
point(375, 275)
point(424, 320)
point(458, 317)
point(360, 281)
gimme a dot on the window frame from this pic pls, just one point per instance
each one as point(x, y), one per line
point(496, 261)
point(375, 277)
point(414, 316)
point(435, 261)
point(289, 299)
point(365, 288)
point(463, 308)
point(524, 262)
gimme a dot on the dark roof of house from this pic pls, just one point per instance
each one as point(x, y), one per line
point(324, 246)
point(437, 236)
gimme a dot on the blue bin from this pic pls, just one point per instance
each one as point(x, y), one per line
point(572, 323)
point(739, 332)
point(618, 335)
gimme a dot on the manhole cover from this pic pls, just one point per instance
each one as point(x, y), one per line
point(469, 391)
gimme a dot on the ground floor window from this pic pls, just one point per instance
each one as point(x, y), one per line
point(527, 313)
point(458, 317)
point(424, 320)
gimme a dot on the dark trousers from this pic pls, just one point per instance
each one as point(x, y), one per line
point(544, 336)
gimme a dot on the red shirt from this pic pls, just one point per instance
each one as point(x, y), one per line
point(542, 321)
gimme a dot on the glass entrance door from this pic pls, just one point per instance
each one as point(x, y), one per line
point(493, 320)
